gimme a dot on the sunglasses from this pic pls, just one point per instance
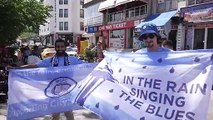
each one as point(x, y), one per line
point(150, 35)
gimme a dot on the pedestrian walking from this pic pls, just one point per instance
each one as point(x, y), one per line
point(27, 52)
point(37, 52)
point(33, 58)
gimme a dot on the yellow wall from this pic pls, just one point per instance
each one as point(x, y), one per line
point(84, 45)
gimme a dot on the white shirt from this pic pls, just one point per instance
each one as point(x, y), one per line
point(32, 59)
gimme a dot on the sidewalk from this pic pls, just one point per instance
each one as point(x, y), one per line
point(87, 115)
point(78, 114)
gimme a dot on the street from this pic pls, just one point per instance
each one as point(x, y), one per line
point(87, 115)
point(78, 114)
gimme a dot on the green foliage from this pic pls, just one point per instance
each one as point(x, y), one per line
point(19, 15)
point(89, 54)
point(26, 35)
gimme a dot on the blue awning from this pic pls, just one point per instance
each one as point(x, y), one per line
point(158, 19)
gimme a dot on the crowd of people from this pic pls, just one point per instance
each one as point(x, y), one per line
point(25, 55)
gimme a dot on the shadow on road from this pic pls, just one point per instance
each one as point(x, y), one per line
point(90, 115)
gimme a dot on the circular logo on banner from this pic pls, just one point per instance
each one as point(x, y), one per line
point(60, 86)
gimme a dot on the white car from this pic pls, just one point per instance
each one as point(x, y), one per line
point(71, 51)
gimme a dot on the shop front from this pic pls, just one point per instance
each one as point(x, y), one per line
point(118, 35)
point(199, 26)
point(92, 34)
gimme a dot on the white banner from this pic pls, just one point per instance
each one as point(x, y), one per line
point(150, 86)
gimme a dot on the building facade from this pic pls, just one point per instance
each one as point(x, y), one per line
point(198, 22)
point(66, 21)
point(123, 19)
point(92, 20)
point(120, 18)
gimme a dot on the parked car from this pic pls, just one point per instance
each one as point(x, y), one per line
point(71, 51)
point(48, 52)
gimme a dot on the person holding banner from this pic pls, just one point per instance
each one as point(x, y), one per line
point(151, 37)
point(61, 58)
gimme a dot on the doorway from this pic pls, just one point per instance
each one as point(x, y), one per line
point(209, 38)
point(172, 37)
point(199, 37)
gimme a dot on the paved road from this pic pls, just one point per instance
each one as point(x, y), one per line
point(87, 115)
point(78, 114)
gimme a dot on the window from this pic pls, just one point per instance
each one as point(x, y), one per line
point(65, 25)
point(137, 11)
point(143, 10)
point(191, 2)
point(118, 16)
point(166, 5)
point(61, 26)
point(174, 4)
point(111, 17)
point(81, 2)
point(82, 26)
point(117, 38)
point(66, 2)
point(132, 12)
point(60, 12)
point(82, 13)
point(60, 2)
point(127, 14)
point(202, 1)
point(161, 7)
point(66, 13)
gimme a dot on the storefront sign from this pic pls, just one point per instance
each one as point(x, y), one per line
point(92, 29)
point(122, 25)
point(210, 25)
point(202, 1)
point(137, 22)
point(200, 13)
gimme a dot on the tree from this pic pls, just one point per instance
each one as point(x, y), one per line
point(19, 15)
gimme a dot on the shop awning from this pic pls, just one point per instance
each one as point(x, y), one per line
point(106, 5)
point(120, 2)
point(158, 19)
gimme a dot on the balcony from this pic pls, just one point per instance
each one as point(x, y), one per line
point(128, 14)
point(98, 20)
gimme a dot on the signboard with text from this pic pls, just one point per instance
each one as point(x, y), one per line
point(200, 13)
point(115, 26)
